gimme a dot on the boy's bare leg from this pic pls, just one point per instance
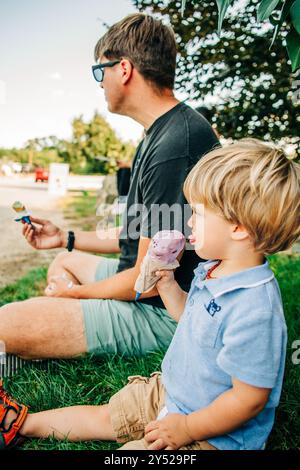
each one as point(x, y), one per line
point(76, 423)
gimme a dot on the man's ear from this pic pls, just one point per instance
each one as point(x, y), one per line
point(126, 70)
point(239, 232)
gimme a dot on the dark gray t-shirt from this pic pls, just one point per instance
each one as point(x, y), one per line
point(171, 147)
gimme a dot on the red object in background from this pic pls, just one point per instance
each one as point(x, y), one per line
point(41, 175)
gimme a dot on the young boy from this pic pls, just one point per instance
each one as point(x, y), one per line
point(222, 374)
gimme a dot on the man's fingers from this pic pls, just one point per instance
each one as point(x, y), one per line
point(27, 231)
point(39, 221)
point(50, 289)
point(54, 278)
point(24, 228)
point(30, 235)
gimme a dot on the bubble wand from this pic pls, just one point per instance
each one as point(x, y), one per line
point(23, 215)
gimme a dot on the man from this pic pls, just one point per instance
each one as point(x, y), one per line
point(89, 304)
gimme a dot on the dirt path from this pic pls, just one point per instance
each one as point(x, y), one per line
point(17, 257)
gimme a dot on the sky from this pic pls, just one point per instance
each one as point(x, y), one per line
point(46, 53)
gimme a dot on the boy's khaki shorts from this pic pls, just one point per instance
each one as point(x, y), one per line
point(134, 406)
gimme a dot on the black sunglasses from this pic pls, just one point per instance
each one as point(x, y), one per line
point(98, 72)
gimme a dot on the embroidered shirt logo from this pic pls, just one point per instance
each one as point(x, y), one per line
point(212, 307)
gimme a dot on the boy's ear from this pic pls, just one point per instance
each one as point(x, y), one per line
point(239, 233)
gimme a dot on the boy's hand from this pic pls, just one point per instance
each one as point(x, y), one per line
point(45, 237)
point(166, 280)
point(168, 433)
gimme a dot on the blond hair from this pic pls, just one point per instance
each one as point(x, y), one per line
point(148, 43)
point(253, 184)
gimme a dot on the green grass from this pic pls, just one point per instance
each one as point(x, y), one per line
point(81, 207)
point(32, 285)
point(286, 433)
point(93, 381)
point(76, 382)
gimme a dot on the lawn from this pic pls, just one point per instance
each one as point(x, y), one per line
point(93, 381)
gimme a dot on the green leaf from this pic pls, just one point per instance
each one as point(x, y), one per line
point(265, 9)
point(295, 15)
point(293, 48)
point(222, 8)
point(284, 13)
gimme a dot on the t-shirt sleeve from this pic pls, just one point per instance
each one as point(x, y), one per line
point(253, 348)
point(164, 206)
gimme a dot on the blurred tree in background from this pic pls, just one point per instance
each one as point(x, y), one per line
point(251, 86)
point(93, 148)
point(278, 12)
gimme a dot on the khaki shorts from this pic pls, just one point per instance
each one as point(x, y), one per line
point(134, 406)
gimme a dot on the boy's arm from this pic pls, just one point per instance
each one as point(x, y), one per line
point(228, 412)
point(173, 297)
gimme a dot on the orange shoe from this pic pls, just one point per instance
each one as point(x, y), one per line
point(9, 435)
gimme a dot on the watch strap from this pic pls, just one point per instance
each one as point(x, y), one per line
point(71, 240)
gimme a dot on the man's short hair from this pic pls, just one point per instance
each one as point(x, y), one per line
point(253, 184)
point(147, 43)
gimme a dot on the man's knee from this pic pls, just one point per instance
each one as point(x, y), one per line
point(62, 261)
point(62, 258)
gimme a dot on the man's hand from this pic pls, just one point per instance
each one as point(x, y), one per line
point(169, 433)
point(45, 237)
point(59, 286)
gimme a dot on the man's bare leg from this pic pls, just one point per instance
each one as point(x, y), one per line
point(79, 267)
point(76, 423)
point(43, 327)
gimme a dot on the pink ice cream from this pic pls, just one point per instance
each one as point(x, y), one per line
point(163, 250)
point(166, 245)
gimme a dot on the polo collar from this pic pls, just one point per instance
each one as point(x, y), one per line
point(245, 279)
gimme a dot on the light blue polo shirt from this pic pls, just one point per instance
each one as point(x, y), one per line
point(232, 327)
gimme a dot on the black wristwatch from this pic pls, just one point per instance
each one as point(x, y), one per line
point(71, 240)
